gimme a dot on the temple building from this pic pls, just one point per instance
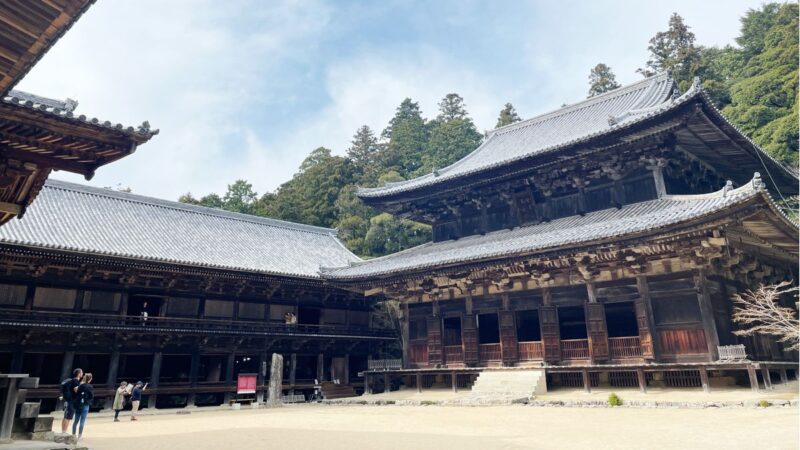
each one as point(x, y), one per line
point(185, 297)
point(602, 241)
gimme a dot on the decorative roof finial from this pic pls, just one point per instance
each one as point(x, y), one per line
point(728, 187)
point(144, 128)
point(436, 172)
point(758, 183)
point(612, 120)
point(696, 83)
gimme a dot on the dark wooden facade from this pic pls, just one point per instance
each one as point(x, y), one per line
point(202, 329)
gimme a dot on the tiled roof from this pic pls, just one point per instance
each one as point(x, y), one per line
point(64, 110)
point(566, 232)
point(78, 218)
point(540, 134)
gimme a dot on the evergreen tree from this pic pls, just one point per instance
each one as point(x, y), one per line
point(453, 135)
point(508, 115)
point(763, 100)
point(362, 152)
point(601, 79)
point(240, 197)
point(672, 50)
point(407, 135)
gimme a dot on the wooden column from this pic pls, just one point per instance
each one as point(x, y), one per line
point(469, 334)
point(751, 374)
point(767, 378)
point(387, 382)
point(346, 368)
point(648, 338)
point(30, 294)
point(123, 304)
point(704, 380)
point(587, 383)
point(508, 336)
point(155, 374)
point(194, 373)
point(17, 358)
point(293, 369)
point(784, 376)
point(229, 375)
point(404, 333)
point(707, 315)
point(596, 328)
point(548, 324)
point(642, 380)
point(419, 382)
point(435, 355)
point(321, 367)
point(111, 382)
point(453, 381)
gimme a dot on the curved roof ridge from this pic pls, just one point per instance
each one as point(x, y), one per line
point(196, 209)
point(585, 103)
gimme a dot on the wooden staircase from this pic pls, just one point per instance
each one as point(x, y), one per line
point(331, 390)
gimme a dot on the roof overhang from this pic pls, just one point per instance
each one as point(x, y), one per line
point(27, 31)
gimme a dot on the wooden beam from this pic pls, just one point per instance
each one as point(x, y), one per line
point(751, 374)
point(587, 385)
point(704, 380)
point(767, 378)
point(10, 208)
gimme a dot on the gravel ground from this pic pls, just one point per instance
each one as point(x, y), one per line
point(432, 427)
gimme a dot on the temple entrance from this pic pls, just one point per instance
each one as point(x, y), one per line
point(308, 316)
point(489, 348)
point(574, 336)
point(623, 331)
point(528, 328)
point(338, 371)
point(451, 340)
point(140, 304)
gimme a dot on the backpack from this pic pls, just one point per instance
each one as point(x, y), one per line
point(82, 401)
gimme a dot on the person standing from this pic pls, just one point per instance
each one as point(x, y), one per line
point(119, 399)
point(82, 401)
point(68, 389)
point(136, 398)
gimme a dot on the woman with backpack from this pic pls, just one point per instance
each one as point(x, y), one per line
point(82, 400)
point(119, 399)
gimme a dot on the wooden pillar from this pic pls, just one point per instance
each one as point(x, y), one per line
point(419, 382)
point(66, 372)
point(784, 376)
point(751, 373)
point(642, 380)
point(453, 381)
point(596, 328)
point(30, 294)
point(194, 373)
point(8, 404)
point(17, 357)
point(508, 338)
point(767, 378)
point(346, 368)
point(548, 324)
point(321, 367)
point(229, 365)
point(704, 380)
point(469, 334)
point(587, 383)
point(387, 382)
point(367, 386)
point(123, 304)
point(404, 332)
point(293, 369)
point(155, 374)
point(707, 315)
point(435, 354)
point(111, 383)
point(648, 338)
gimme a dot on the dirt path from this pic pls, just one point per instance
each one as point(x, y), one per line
point(431, 427)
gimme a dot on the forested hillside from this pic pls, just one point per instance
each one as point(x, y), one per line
point(755, 84)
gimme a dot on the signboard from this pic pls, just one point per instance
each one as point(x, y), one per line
point(246, 384)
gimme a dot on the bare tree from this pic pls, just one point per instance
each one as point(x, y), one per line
point(760, 312)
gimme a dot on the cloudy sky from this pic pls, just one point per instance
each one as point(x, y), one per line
point(246, 89)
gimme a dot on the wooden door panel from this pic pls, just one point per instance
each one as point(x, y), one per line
point(596, 330)
point(645, 333)
point(551, 335)
point(508, 337)
point(435, 341)
point(469, 335)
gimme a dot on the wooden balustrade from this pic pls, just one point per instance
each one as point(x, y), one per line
point(530, 351)
point(489, 352)
point(574, 349)
point(625, 347)
point(453, 354)
point(19, 318)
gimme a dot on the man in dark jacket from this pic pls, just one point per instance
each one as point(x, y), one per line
point(68, 389)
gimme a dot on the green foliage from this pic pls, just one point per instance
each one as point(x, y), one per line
point(508, 115)
point(601, 79)
point(764, 404)
point(614, 400)
point(672, 50)
point(406, 136)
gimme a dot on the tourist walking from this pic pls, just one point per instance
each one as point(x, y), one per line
point(119, 399)
point(82, 401)
point(136, 398)
point(68, 389)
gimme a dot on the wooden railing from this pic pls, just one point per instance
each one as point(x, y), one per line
point(530, 351)
point(418, 352)
point(730, 352)
point(489, 352)
point(385, 364)
point(18, 318)
point(453, 354)
point(625, 347)
point(574, 349)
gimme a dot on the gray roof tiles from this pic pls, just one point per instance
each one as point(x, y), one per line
point(567, 125)
point(78, 218)
point(565, 232)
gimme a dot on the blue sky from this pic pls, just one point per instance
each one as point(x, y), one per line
point(246, 89)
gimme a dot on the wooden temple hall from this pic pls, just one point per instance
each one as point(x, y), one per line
point(602, 241)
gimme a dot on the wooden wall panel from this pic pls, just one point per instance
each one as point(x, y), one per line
point(551, 336)
point(508, 337)
point(469, 336)
point(680, 342)
point(597, 331)
point(435, 356)
point(645, 332)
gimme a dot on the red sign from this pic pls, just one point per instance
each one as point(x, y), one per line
point(246, 384)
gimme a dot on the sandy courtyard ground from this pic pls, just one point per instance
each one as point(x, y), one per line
point(436, 427)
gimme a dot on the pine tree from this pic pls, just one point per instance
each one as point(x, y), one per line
point(363, 151)
point(601, 79)
point(453, 135)
point(508, 115)
point(451, 107)
point(407, 135)
point(672, 50)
